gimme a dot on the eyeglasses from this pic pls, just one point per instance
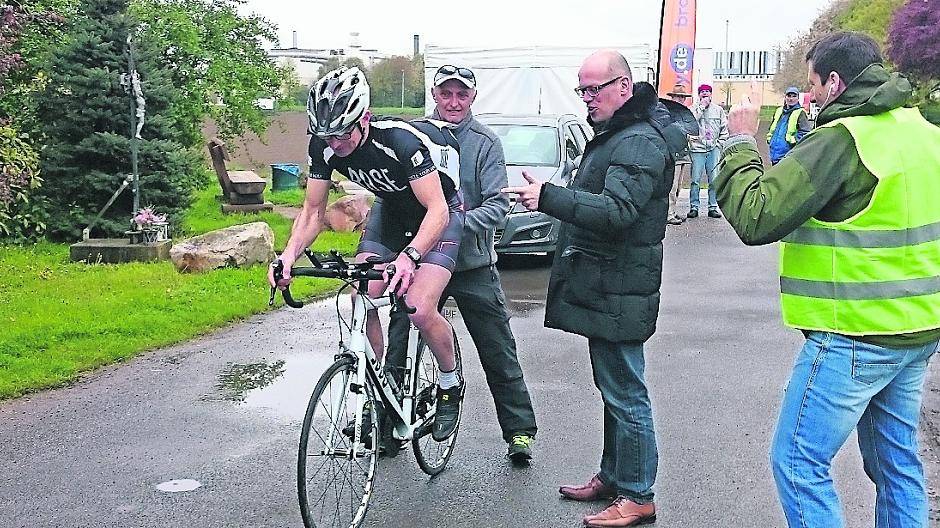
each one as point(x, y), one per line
point(342, 136)
point(446, 70)
point(594, 90)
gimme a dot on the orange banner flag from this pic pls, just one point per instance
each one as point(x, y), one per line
point(676, 46)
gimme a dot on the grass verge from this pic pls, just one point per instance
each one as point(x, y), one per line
point(60, 318)
point(398, 111)
point(205, 215)
point(294, 197)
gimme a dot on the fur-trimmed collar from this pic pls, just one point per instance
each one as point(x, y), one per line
point(644, 106)
point(639, 107)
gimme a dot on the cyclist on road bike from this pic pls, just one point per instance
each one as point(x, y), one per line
point(413, 169)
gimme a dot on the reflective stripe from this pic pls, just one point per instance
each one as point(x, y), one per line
point(856, 291)
point(815, 236)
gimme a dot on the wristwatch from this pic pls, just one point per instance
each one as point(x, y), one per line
point(413, 254)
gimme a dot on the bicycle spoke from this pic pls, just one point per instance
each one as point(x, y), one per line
point(432, 456)
point(337, 432)
point(336, 481)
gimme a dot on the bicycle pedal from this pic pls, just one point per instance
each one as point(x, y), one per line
point(424, 429)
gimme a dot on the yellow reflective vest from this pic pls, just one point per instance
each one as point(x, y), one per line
point(793, 122)
point(877, 272)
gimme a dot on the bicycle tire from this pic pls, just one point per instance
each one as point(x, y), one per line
point(324, 459)
point(432, 456)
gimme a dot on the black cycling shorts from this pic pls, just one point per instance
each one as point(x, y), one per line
point(387, 234)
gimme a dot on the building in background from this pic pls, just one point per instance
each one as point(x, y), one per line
point(307, 61)
point(733, 72)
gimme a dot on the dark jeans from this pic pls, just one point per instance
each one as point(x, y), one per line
point(482, 304)
point(629, 461)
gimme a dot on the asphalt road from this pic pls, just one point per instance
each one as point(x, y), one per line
point(225, 410)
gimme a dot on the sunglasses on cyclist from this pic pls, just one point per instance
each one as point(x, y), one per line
point(594, 90)
point(341, 136)
point(447, 72)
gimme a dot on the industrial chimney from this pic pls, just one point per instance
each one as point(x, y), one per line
point(417, 45)
point(295, 40)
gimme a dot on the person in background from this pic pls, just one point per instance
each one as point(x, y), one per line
point(681, 95)
point(789, 125)
point(705, 149)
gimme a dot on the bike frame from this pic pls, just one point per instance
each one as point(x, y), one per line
point(368, 367)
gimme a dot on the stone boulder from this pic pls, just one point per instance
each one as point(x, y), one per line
point(237, 246)
point(349, 213)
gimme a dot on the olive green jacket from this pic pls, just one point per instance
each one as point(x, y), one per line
point(822, 177)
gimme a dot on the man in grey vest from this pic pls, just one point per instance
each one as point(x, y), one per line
point(475, 285)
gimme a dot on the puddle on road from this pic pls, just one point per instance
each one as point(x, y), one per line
point(239, 379)
point(284, 385)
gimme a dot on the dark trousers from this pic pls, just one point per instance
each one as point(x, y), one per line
point(630, 458)
point(482, 304)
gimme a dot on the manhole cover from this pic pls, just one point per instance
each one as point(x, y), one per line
point(175, 486)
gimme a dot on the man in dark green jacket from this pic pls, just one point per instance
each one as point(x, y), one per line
point(608, 268)
point(854, 205)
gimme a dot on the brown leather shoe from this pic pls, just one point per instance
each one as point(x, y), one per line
point(622, 512)
point(592, 491)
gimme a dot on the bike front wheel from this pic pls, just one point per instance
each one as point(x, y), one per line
point(335, 465)
point(432, 456)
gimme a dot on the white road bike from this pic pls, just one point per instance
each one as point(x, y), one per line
point(338, 452)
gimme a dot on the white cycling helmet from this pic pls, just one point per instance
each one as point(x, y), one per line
point(337, 101)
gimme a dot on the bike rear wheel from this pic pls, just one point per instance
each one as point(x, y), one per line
point(334, 480)
point(432, 456)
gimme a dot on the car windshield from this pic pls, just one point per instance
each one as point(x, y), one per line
point(528, 145)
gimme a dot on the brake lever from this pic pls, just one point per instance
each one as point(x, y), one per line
point(278, 275)
point(398, 301)
point(338, 258)
point(313, 258)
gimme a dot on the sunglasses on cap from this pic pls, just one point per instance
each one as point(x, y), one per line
point(445, 71)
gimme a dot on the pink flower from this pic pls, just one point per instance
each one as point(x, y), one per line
point(146, 217)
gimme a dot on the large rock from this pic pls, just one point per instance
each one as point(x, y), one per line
point(349, 213)
point(237, 246)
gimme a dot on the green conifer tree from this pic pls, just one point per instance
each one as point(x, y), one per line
point(86, 119)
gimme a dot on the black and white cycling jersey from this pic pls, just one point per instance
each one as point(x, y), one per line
point(395, 153)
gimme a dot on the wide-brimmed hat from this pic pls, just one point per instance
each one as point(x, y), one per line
point(679, 90)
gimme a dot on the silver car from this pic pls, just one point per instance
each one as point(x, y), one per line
point(548, 147)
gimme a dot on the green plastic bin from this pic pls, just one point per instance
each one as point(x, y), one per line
point(284, 176)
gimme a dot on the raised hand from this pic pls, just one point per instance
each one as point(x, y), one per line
point(528, 195)
point(744, 116)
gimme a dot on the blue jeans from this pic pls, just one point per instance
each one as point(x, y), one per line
point(839, 384)
point(630, 459)
point(703, 162)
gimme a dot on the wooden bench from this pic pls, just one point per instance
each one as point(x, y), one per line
point(242, 191)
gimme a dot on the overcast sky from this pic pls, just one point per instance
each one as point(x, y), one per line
point(389, 25)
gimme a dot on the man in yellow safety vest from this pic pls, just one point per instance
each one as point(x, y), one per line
point(789, 126)
point(855, 206)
